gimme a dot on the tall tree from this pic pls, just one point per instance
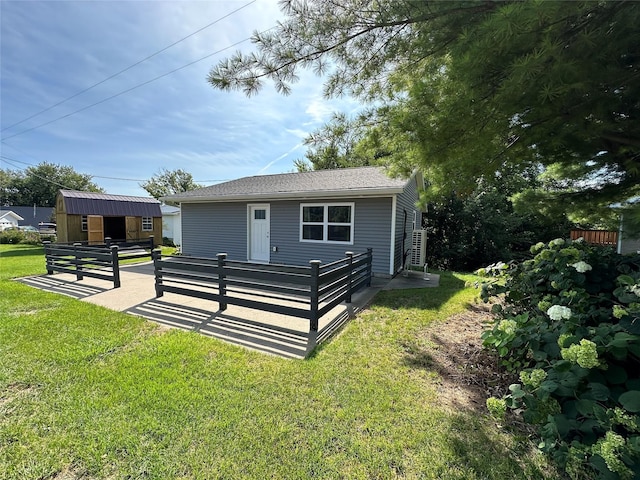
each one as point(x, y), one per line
point(39, 185)
point(469, 87)
point(338, 144)
point(167, 182)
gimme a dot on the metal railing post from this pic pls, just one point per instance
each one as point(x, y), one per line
point(314, 295)
point(107, 242)
point(115, 263)
point(77, 261)
point(222, 286)
point(48, 262)
point(152, 243)
point(350, 275)
point(156, 256)
point(369, 265)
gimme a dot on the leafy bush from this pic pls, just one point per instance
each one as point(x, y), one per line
point(466, 233)
point(569, 321)
point(13, 235)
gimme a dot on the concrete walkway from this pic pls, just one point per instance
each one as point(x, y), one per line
point(259, 330)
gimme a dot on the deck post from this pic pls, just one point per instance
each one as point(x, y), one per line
point(77, 261)
point(314, 296)
point(369, 265)
point(115, 263)
point(156, 256)
point(47, 245)
point(152, 244)
point(222, 285)
point(350, 275)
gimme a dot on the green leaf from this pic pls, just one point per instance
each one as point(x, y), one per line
point(548, 386)
point(616, 375)
point(585, 407)
point(630, 401)
point(631, 324)
point(597, 391)
point(621, 339)
point(626, 280)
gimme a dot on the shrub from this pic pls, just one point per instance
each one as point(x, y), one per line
point(568, 320)
point(13, 235)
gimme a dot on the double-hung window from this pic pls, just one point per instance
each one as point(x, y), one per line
point(326, 223)
point(84, 223)
point(147, 224)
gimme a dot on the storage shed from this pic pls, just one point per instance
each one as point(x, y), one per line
point(92, 217)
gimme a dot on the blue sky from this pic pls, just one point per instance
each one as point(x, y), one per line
point(51, 50)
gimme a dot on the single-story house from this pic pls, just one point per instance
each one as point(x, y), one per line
point(33, 215)
point(8, 219)
point(171, 223)
point(293, 218)
point(88, 216)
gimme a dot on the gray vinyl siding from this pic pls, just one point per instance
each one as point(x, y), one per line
point(371, 230)
point(212, 228)
point(406, 202)
point(629, 245)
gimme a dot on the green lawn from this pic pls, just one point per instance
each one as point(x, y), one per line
point(90, 393)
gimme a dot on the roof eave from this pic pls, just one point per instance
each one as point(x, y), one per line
point(368, 192)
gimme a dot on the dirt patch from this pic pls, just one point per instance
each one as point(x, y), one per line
point(467, 374)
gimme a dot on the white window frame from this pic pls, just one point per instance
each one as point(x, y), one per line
point(325, 223)
point(145, 224)
point(84, 222)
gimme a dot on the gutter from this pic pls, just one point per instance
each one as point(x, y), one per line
point(305, 195)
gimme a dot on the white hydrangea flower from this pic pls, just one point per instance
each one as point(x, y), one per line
point(581, 266)
point(558, 312)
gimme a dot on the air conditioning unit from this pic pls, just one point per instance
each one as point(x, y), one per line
point(418, 247)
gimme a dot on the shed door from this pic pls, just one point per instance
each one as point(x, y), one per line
point(259, 226)
point(95, 228)
point(132, 228)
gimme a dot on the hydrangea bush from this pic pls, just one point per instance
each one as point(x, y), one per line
point(568, 321)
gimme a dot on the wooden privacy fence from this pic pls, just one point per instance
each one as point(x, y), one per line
point(84, 261)
point(597, 237)
point(306, 292)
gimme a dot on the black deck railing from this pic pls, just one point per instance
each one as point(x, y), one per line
point(307, 292)
point(84, 261)
point(127, 249)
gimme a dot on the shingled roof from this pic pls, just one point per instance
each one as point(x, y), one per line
point(89, 203)
point(361, 181)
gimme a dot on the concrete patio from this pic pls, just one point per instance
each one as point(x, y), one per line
point(259, 330)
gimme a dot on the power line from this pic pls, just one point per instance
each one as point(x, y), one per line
point(128, 89)
point(10, 160)
point(126, 69)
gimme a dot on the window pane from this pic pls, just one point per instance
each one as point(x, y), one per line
point(260, 214)
point(339, 233)
point(312, 232)
point(313, 214)
point(340, 214)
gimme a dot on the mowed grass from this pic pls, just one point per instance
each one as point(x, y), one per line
point(86, 392)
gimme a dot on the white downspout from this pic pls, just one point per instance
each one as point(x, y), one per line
point(394, 204)
point(620, 235)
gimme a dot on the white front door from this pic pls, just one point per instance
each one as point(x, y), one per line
point(259, 226)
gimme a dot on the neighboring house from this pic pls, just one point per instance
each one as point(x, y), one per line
point(8, 219)
point(33, 215)
point(87, 216)
point(627, 243)
point(293, 218)
point(171, 223)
